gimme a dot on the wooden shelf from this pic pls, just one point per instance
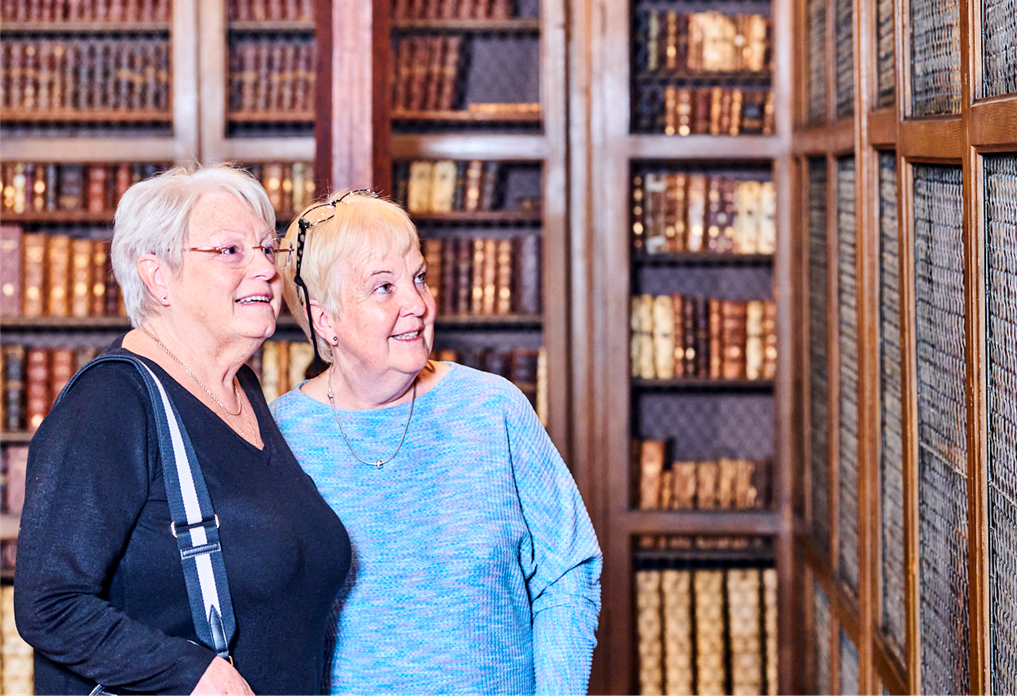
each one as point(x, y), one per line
point(754, 556)
point(466, 116)
point(701, 259)
point(270, 27)
point(86, 28)
point(86, 116)
point(270, 117)
point(697, 148)
point(500, 146)
point(64, 323)
point(701, 384)
point(708, 522)
point(19, 438)
point(500, 26)
point(480, 216)
point(59, 216)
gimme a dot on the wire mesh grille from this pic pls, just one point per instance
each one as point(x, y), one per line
point(1001, 343)
point(999, 45)
point(885, 63)
point(816, 19)
point(848, 665)
point(942, 413)
point(892, 445)
point(821, 638)
point(819, 388)
point(935, 57)
point(845, 59)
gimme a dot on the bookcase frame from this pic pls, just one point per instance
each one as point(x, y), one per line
point(983, 126)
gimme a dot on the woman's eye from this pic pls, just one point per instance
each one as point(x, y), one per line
point(422, 277)
point(385, 287)
point(231, 250)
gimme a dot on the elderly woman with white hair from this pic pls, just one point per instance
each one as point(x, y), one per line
point(476, 569)
point(101, 586)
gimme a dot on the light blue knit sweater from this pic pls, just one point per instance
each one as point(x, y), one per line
point(475, 566)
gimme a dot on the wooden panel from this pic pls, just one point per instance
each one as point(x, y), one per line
point(994, 124)
point(932, 139)
point(91, 150)
point(837, 139)
point(883, 128)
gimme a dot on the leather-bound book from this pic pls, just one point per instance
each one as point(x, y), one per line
point(528, 276)
point(459, 197)
point(754, 348)
point(523, 371)
point(14, 388)
point(726, 112)
point(96, 197)
point(419, 191)
point(490, 191)
point(769, 124)
point(503, 277)
point(709, 610)
point(769, 339)
point(649, 631)
point(701, 103)
point(653, 22)
point(500, 9)
point(735, 123)
point(670, 110)
point(689, 323)
point(477, 278)
point(50, 200)
point(716, 108)
point(270, 372)
point(122, 180)
point(767, 221)
point(435, 68)
point(651, 466)
point(696, 34)
point(656, 210)
point(464, 275)
point(678, 309)
point(683, 109)
point(71, 187)
point(447, 283)
point(37, 187)
point(449, 76)
point(112, 299)
point(634, 342)
point(675, 211)
point(419, 69)
point(37, 387)
point(58, 271)
point(671, 41)
point(643, 323)
point(703, 321)
point(10, 270)
point(733, 339)
point(61, 370)
point(275, 76)
point(753, 102)
point(443, 186)
point(727, 472)
point(474, 182)
point(696, 212)
point(97, 285)
point(663, 337)
point(713, 214)
point(490, 277)
point(676, 591)
point(684, 485)
point(19, 187)
point(715, 330)
point(34, 273)
point(744, 621)
point(81, 277)
point(726, 218)
point(271, 178)
point(432, 257)
point(707, 481)
point(746, 217)
point(466, 9)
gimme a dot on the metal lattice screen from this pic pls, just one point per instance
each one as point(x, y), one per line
point(847, 290)
point(848, 665)
point(845, 59)
point(885, 62)
point(816, 23)
point(821, 667)
point(1001, 343)
point(999, 47)
point(891, 466)
point(942, 416)
point(935, 57)
point(819, 387)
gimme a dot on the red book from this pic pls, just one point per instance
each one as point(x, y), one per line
point(37, 387)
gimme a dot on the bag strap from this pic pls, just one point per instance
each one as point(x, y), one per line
point(194, 522)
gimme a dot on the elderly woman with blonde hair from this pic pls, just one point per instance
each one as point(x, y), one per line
point(476, 568)
point(102, 590)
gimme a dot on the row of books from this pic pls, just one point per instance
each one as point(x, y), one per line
point(676, 336)
point(815, 22)
point(446, 186)
point(31, 378)
point(49, 186)
point(844, 74)
point(680, 212)
point(451, 9)
point(886, 72)
point(85, 11)
point(717, 111)
point(704, 41)
point(484, 276)
point(426, 72)
point(707, 631)
point(44, 75)
point(525, 368)
point(723, 484)
point(17, 671)
point(56, 275)
point(270, 10)
point(290, 185)
point(272, 74)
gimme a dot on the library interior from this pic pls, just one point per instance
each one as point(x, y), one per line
point(747, 259)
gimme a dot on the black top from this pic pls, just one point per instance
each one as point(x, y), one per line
point(100, 590)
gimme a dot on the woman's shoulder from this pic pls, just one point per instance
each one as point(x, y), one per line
point(292, 404)
point(465, 384)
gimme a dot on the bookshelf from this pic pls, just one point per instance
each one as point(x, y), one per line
point(903, 179)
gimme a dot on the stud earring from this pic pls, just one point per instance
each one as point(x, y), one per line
point(163, 298)
point(335, 338)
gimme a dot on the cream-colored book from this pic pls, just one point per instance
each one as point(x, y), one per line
point(418, 188)
point(443, 185)
point(677, 604)
point(709, 593)
point(663, 337)
point(744, 620)
point(770, 622)
point(754, 352)
point(647, 357)
point(649, 630)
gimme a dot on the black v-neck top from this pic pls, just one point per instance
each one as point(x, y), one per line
point(99, 587)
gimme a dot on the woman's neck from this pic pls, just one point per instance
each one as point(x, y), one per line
point(354, 392)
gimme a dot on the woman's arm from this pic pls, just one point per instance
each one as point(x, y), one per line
point(87, 483)
point(564, 564)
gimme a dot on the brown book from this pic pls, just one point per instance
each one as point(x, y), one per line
point(684, 485)
point(735, 123)
point(466, 9)
point(37, 387)
point(419, 70)
point(753, 107)
point(670, 110)
point(678, 308)
point(689, 323)
point(270, 372)
point(248, 76)
point(769, 339)
point(448, 292)
point(676, 590)
point(13, 394)
point(10, 270)
point(16, 468)
point(402, 67)
point(477, 278)
point(34, 273)
point(726, 483)
point(683, 111)
point(671, 41)
point(649, 631)
point(61, 370)
point(726, 217)
point(702, 99)
point(449, 73)
point(58, 259)
point(464, 275)
point(37, 187)
point(96, 196)
point(754, 344)
point(432, 249)
point(651, 466)
point(489, 188)
point(19, 187)
point(81, 277)
point(696, 211)
point(769, 126)
point(417, 9)
point(642, 312)
point(716, 339)
point(528, 274)
point(656, 212)
point(653, 57)
point(675, 211)
point(716, 109)
point(694, 54)
point(714, 206)
point(744, 588)
point(99, 268)
point(707, 482)
point(447, 9)
point(490, 277)
point(703, 342)
point(663, 337)
point(474, 182)
point(523, 366)
point(435, 70)
point(503, 277)
point(443, 186)
point(733, 339)
point(726, 117)
point(638, 207)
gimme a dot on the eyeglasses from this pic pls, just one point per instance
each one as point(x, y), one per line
point(313, 217)
point(239, 255)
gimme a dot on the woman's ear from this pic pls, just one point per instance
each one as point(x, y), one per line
point(153, 275)
point(323, 324)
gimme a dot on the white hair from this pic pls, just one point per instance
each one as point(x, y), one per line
point(153, 217)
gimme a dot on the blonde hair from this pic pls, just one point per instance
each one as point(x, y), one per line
point(153, 217)
point(361, 223)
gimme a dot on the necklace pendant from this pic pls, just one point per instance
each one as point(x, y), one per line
point(378, 464)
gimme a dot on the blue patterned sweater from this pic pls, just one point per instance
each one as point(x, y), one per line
point(475, 566)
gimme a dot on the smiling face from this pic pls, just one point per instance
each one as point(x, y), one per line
point(385, 325)
point(227, 301)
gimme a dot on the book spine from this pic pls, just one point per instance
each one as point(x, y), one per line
point(663, 336)
point(10, 270)
point(490, 277)
point(528, 275)
point(643, 312)
point(649, 630)
point(37, 387)
point(58, 274)
point(14, 388)
point(715, 340)
point(81, 277)
point(503, 277)
point(709, 610)
point(432, 249)
point(676, 591)
point(448, 293)
point(34, 269)
point(464, 275)
point(477, 278)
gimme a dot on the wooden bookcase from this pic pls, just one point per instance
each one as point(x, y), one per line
point(878, 630)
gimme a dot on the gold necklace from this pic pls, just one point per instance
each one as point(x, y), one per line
point(378, 463)
point(236, 386)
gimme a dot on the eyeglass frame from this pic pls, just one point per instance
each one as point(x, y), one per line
point(303, 225)
point(275, 246)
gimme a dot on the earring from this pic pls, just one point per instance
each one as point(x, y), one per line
point(335, 338)
point(163, 298)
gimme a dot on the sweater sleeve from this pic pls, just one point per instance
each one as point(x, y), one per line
point(87, 482)
point(564, 564)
